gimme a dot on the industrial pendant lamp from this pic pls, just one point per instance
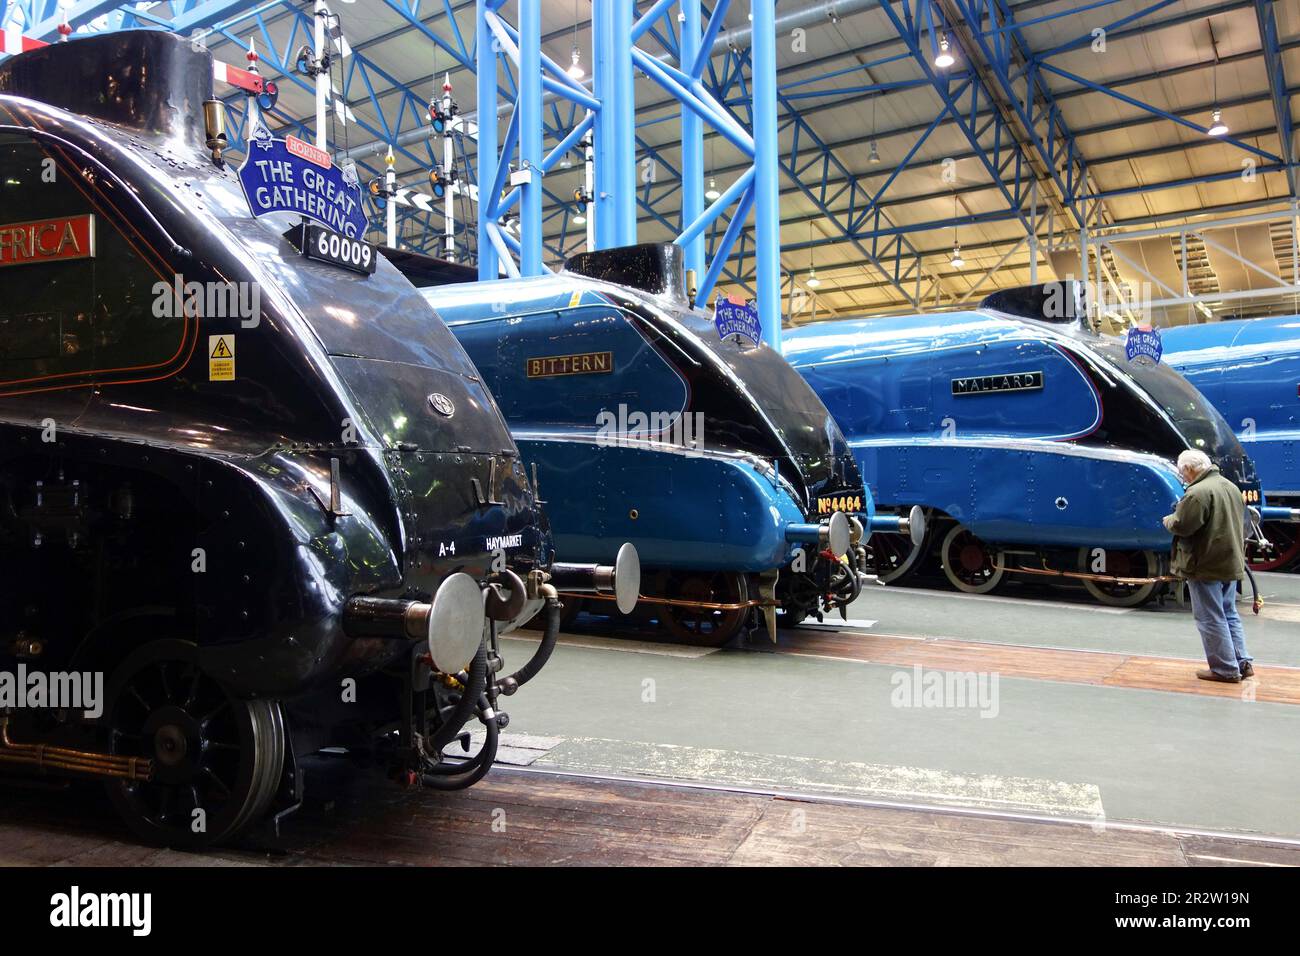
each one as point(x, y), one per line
point(873, 154)
point(575, 69)
point(1217, 126)
point(712, 192)
point(945, 58)
point(957, 261)
point(813, 281)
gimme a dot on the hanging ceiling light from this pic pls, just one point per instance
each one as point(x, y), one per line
point(712, 192)
point(873, 156)
point(579, 220)
point(575, 69)
point(1217, 126)
point(957, 261)
point(813, 281)
point(945, 58)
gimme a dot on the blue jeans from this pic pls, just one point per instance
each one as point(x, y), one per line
point(1214, 606)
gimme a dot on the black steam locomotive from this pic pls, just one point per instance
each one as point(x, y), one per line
point(255, 501)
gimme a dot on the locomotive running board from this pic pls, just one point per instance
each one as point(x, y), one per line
point(65, 760)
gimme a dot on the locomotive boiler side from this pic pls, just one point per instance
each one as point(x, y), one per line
point(1037, 449)
point(712, 457)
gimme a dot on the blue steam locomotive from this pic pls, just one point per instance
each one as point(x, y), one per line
point(1250, 370)
point(1036, 446)
point(711, 456)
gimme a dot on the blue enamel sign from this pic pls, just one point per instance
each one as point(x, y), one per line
point(290, 175)
point(1143, 344)
point(736, 318)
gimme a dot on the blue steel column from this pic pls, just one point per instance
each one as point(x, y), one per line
point(624, 124)
point(486, 57)
point(767, 211)
point(615, 201)
point(529, 104)
point(692, 143)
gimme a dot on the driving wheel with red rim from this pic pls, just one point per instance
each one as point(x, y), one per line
point(1121, 564)
point(969, 564)
point(706, 627)
point(1284, 553)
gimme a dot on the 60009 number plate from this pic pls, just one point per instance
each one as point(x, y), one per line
point(326, 245)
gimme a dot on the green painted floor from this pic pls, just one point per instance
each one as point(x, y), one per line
point(828, 726)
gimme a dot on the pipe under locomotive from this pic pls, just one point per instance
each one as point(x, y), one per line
point(711, 456)
point(269, 499)
point(1036, 446)
point(1250, 370)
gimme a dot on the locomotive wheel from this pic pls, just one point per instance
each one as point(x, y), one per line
point(893, 557)
point(211, 752)
point(1285, 554)
point(1124, 564)
point(704, 627)
point(969, 564)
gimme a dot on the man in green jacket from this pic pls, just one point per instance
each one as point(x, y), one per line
point(1209, 553)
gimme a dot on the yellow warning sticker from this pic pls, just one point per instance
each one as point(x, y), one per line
point(221, 358)
point(575, 298)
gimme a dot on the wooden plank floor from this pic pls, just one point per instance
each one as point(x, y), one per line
point(1279, 685)
point(515, 818)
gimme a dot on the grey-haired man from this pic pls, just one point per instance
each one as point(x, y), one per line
point(1209, 553)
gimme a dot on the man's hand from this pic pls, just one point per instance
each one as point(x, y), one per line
point(1187, 519)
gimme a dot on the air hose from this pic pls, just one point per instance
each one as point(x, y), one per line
point(543, 653)
point(475, 684)
point(1256, 602)
point(460, 776)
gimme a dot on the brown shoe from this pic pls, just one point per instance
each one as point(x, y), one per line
point(1210, 675)
point(1247, 669)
